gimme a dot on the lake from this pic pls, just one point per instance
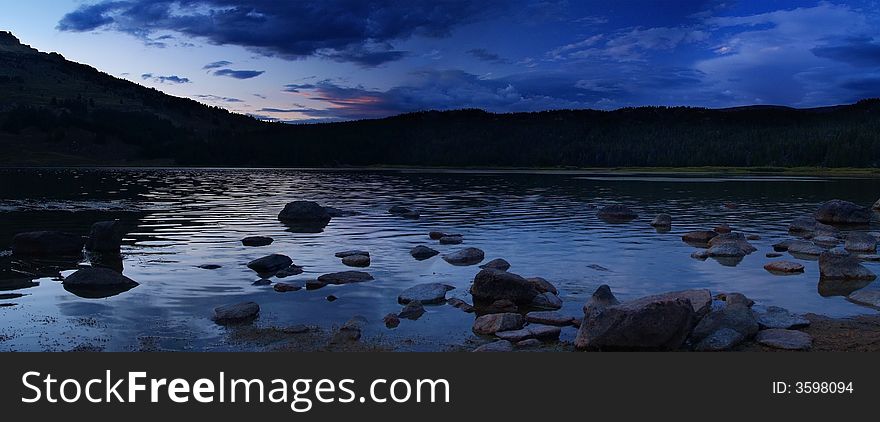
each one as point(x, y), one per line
point(543, 223)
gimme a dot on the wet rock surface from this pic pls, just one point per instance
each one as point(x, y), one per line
point(426, 293)
point(842, 212)
point(236, 313)
point(464, 257)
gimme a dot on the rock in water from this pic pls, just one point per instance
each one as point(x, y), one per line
point(784, 267)
point(436, 235)
point(546, 300)
point(356, 261)
point(236, 313)
point(427, 293)
point(549, 318)
point(404, 212)
point(648, 323)
point(802, 247)
point(842, 212)
point(602, 298)
point(493, 323)
point(662, 220)
point(542, 285)
point(496, 346)
point(842, 266)
point(616, 213)
point(722, 339)
point(698, 237)
point(701, 255)
point(47, 243)
point(304, 212)
point(257, 241)
point(776, 317)
point(346, 254)
point(97, 277)
point(497, 264)
point(105, 236)
point(391, 320)
point(725, 251)
point(722, 229)
point(270, 264)
point(460, 304)
point(345, 277)
point(492, 285)
point(866, 297)
point(785, 339)
point(737, 240)
point(413, 310)
point(422, 253)
point(466, 256)
point(451, 240)
point(860, 242)
point(286, 287)
point(540, 332)
point(291, 270)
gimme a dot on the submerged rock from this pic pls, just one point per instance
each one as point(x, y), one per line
point(662, 221)
point(346, 254)
point(345, 277)
point(391, 320)
point(404, 212)
point(466, 256)
point(356, 261)
point(270, 263)
point(427, 293)
point(413, 310)
point(497, 264)
point(236, 313)
point(860, 242)
point(773, 255)
point(726, 251)
point(842, 212)
point(336, 212)
point(616, 213)
point(291, 270)
point(106, 236)
point(491, 285)
point(702, 254)
point(785, 339)
point(646, 323)
point(722, 229)
point(422, 253)
point(869, 297)
point(698, 237)
point(496, 346)
point(842, 266)
point(304, 212)
point(493, 323)
point(460, 304)
point(47, 243)
point(451, 240)
point(784, 267)
point(776, 317)
point(286, 287)
point(436, 235)
point(210, 266)
point(257, 241)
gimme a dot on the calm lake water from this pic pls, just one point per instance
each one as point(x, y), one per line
point(544, 224)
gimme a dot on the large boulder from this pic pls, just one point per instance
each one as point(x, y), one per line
point(736, 314)
point(493, 323)
point(842, 212)
point(860, 242)
point(837, 265)
point(236, 313)
point(616, 213)
point(270, 264)
point(491, 285)
point(47, 243)
point(649, 323)
point(105, 236)
point(428, 293)
point(466, 256)
point(345, 277)
point(304, 212)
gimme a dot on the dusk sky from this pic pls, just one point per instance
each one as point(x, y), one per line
point(339, 60)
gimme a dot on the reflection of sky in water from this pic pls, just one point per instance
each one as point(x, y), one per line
point(542, 223)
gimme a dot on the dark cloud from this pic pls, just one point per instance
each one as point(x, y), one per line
point(217, 64)
point(174, 79)
point(217, 99)
point(361, 32)
point(239, 74)
point(298, 87)
point(487, 56)
point(858, 52)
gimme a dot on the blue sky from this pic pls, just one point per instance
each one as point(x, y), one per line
point(347, 59)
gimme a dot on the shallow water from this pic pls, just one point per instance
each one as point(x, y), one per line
point(543, 223)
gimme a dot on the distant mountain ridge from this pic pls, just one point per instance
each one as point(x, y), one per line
point(55, 112)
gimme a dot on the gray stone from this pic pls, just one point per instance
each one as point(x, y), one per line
point(391, 320)
point(291, 270)
point(460, 304)
point(842, 266)
point(497, 264)
point(870, 257)
point(356, 261)
point(735, 314)
point(491, 285)
point(98, 277)
point(701, 254)
point(869, 297)
point(304, 212)
point(802, 247)
point(776, 317)
point(466, 256)
point(427, 293)
point(413, 310)
point(493, 323)
point(422, 253)
point(725, 251)
point(257, 241)
point(698, 236)
point(700, 299)
point(643, 324)
point(542, 285)
point(732, 239)
point(546, 300)
point(860, 242)
point(662, 220)
point(350, 332)
point(549, 318)
point(784, 267)
point(270, 264)
point(236, 313)
point(345, 254)
point(842, 212)
point(722, 339)
point(600, 299)
point(47, 243)
point(722, 229)
point(785, 339)
point(773, 255)
point(345, 277)
point(286, 287)
point(540, 332)
point(496, 346)
point(451, 240)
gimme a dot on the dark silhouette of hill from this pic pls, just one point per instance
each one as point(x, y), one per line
point(56, 112)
